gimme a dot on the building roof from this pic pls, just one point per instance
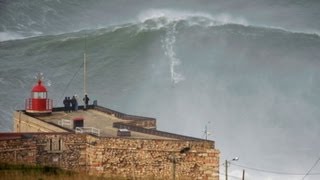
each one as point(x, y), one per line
point(104, 122)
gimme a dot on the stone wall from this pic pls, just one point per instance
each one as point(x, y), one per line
point(26, 123)
point(158, 159)
point(18, 151)
point(130, 158)
point(67, 151)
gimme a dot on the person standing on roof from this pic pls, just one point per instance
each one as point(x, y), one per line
point(69, 105)
point(76, 102)
point(86, 101)
point(73, 103)
point(65, 103)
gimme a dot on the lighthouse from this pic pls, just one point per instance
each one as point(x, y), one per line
point(39, 103)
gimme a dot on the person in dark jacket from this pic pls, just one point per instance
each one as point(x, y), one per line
point(86, 101)
point(73, 103)
point(76, 105)
point(68, 104)
point(65, 103)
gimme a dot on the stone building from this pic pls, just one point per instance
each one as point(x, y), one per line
point(103, 142)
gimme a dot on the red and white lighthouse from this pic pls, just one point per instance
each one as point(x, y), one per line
point(39, 102)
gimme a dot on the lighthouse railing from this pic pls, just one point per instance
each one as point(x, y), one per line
point(48, 104)
point(28, 104)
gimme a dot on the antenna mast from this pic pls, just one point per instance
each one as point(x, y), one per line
point(85, 67)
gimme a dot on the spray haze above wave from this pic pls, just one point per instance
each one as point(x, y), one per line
point(197, 18)
point(152, 19)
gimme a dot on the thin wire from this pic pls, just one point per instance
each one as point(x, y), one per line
point(314, 165)
point(74, 75)
point(278, 172)
point(223, 174)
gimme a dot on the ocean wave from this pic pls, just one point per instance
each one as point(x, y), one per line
point(163, 17)
point(154, 19)
point(7, 36)
point(10, 36)
point(157, 19)
point(183, 67)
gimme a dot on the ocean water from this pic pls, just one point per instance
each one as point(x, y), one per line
point(249, 70)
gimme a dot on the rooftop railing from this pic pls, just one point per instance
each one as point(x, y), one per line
point(88, 130)
point(65, 122)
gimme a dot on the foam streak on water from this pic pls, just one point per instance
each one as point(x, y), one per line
point(168, 46)
point(6, 36)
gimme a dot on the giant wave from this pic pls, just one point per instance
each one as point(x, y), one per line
point(257, 85)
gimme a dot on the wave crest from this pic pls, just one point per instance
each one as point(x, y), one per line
point(7, 36)
point(166, 16)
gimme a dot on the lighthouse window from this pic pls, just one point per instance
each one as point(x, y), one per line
point(39, 95)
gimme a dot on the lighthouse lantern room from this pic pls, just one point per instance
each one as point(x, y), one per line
point(39, 102)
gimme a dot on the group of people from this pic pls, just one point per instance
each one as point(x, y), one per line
point(71, 104)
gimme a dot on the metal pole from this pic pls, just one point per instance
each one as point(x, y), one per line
point(243, 172)
point(85, 67)
point(84, 74)
point(174, 167)
point(206, 131)
point(226, 164)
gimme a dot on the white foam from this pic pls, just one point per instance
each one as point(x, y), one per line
point(171, 15)
point(6, 36)
point(178, 15)
point(163, 17)
point(168, 19)
point(168, 46)
point(225, 18)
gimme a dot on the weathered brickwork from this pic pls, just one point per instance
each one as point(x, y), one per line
point(18, 150)
point(154, 158)
point(131, 158)
point(66, 151)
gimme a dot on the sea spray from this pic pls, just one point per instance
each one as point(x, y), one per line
point(168, 46)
